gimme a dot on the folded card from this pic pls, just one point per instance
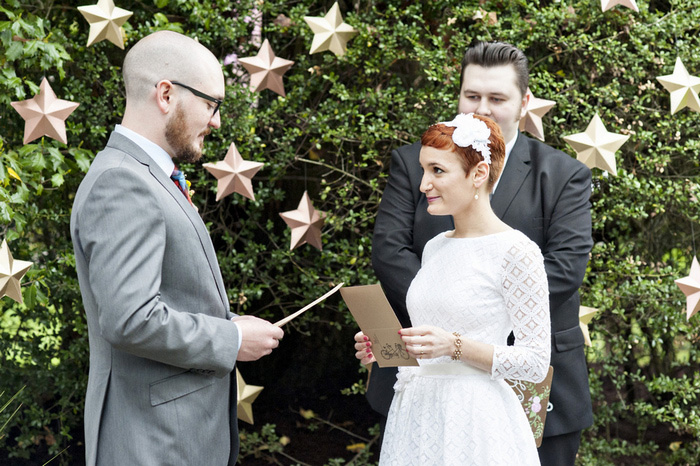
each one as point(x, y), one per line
point(377, 320)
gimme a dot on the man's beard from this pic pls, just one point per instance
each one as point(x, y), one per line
point(177, 137)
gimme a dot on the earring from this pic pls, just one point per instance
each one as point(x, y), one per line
point(476, 195)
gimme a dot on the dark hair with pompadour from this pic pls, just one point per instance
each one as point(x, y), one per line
point(488, 54)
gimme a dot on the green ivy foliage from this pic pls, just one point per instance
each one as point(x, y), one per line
point(331, 136)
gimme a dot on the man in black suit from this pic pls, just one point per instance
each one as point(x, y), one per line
point(542, 192)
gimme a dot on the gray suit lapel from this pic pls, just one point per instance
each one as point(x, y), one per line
point(126, 145)
point(516, 171)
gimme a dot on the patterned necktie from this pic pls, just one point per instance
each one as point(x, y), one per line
point(179, 178)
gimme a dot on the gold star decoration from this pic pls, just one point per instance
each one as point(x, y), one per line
point(305, 222)
point(536, 109)
point(683, 88)
point(596, 146)
point(106, 21)
point(690, 286)
point(330, 32)
point(234, 174)
point(11, 272)
point(246, 395)
point(45, 114)
point(266, 69)
point(585, 315)
point(607, 4)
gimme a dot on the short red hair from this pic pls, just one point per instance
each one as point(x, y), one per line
point(439, 136)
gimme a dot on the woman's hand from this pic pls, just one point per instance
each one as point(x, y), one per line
point(363, 348)
point(427, 342)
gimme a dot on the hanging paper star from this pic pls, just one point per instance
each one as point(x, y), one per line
point(246, 395)
point(596, 146)
point(11, 272)
point(266, 69)
point(305, 222)
point(683, 87)
point(690, 286)
point(45, 114)
point(234, 174)
point(536, 109)
point(585, 315)
point(106, 21)
point(330, 32)
point(607, 4)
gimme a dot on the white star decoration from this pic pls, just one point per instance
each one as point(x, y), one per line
point(330, 32)
point(607, 4)
point(305, 222)
point(234, 174)
point(536, 109)
point(266, 69)
point(11, 272)
point(690, 286)
point(106, 21)
point(246, 395)
point(45, 114)
point(596, 146)
point(683, 87)
point(585, 315)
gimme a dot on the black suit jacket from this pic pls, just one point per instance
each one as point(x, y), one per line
point(545, 194)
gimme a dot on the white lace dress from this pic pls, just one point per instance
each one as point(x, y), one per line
point(483, 288)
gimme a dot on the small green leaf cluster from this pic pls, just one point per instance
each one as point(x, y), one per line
point(331, 135)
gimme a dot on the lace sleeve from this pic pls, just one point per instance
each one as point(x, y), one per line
point(526, 296)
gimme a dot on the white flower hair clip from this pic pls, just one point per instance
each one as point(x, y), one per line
point(470, 131)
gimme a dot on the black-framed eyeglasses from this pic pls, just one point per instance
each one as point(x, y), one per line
point(201, 94)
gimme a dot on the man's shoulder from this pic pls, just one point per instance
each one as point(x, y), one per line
point(118, 152)
point(409, 150)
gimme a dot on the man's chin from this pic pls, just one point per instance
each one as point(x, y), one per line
point(190, 156)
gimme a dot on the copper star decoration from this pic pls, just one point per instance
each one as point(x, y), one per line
point(585, 315)
point(246, 395)
point(330, 32)
point(106, 21)
point(305, 222)
point(607, 4)
point(683, 87)
point(45, 114)
point(11, 272)
point(596, 146)
point(234, 174)
point(266, 69)
point(690, 286)
point(536, 109)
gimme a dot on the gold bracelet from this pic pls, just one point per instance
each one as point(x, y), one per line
point(458, 350)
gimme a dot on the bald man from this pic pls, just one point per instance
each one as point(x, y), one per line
point(163, 342)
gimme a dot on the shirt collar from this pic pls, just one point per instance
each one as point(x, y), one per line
point(154, 151)
point(509, 147)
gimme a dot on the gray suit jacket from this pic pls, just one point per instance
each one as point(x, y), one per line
point(545, 194)
point(162, 347)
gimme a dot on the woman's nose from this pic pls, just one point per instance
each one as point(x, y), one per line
point(425, 184)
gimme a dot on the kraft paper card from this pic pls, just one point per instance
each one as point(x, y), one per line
point(535, 400)
point(377, 320)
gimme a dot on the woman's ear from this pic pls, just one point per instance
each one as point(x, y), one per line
point(480, 173)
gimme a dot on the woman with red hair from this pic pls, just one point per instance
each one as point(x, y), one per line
point(477, 284)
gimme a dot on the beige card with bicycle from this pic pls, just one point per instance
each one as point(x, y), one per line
point(373, 313)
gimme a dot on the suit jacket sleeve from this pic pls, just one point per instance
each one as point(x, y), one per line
point(393, 258)
point(122, 233)
point(569, 239)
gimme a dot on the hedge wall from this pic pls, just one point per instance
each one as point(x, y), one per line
point(332, 136)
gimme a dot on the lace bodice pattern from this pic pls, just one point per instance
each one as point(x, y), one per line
point(484, 288)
